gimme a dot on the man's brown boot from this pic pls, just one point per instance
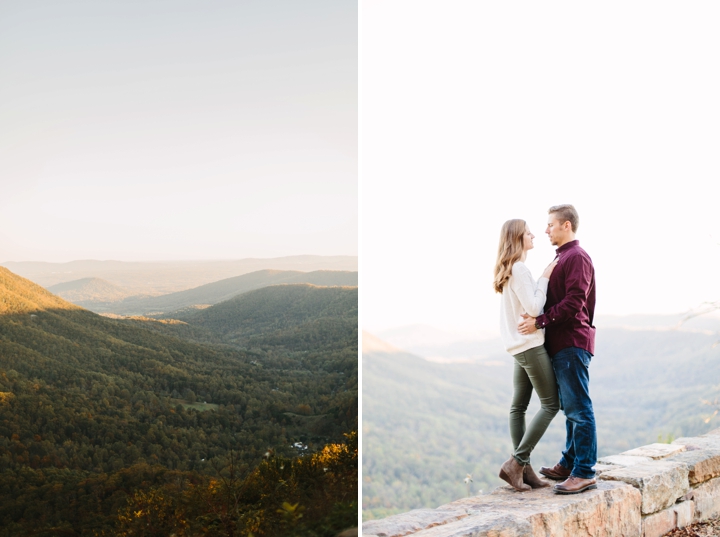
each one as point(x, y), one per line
point(557, 472)
point(574, 485)
point(512, 472)
point(532, 479)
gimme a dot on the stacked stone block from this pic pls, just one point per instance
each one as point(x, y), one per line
point(679, 482)
point(643, 492)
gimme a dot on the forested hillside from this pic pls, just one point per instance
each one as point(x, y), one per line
point(96, 413)
point(427, 425)
point(219, 291)
point(301, 305)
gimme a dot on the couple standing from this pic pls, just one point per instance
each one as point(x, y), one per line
point(552, 350)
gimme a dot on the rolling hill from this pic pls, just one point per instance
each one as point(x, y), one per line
point(92, 408)
point(426, 424)
point(222, 290)
point(89, 290)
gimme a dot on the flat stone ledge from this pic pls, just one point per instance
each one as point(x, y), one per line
point(499, 524)
point(611, 510)
point(410, 522)
point(655, 451)
point(676, 516)
point(660, 482)
point(703, 464)
point(707, 499)
point(709, 440)
point(623, 460)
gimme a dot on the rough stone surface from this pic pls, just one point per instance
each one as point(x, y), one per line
point(602, 468)
point(685, 513)
point(660, 482)
point(613, 509)
point(623, 460)
point(703, 464)
point(707, 499)
point(676, 516)
point(410, 522)
point(655, 451)
point(707, 441)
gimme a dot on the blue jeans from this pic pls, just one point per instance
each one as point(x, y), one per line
point(573, 379)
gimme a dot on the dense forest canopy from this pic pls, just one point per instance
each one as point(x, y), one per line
point(97, 412)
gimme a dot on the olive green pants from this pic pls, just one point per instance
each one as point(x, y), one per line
point(533, 370)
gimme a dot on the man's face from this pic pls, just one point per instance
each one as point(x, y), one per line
point(556, 232)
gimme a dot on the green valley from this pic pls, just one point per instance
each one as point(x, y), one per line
point(98, 413)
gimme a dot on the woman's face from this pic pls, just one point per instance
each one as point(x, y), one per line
point(528, 239)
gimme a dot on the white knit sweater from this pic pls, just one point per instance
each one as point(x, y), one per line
point(521, 295)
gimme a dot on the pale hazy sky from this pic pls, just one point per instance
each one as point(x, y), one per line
point(473, 113)
point(181, 129)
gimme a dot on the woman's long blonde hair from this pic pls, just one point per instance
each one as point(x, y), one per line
point(509, 252)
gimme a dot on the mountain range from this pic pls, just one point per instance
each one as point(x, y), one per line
point(162, 277)
point(203, 295)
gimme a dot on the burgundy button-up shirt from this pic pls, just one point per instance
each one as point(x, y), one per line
point(570, 304)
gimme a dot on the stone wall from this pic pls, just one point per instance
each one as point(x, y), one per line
point(644, 492)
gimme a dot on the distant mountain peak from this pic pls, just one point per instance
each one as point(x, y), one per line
point(89, 290)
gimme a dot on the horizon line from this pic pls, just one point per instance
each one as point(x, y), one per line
point(209, 260)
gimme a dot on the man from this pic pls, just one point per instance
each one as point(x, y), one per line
point(570, 342)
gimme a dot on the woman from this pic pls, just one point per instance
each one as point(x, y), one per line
point(521, 295)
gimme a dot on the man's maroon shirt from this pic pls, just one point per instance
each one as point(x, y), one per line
point(570, 304)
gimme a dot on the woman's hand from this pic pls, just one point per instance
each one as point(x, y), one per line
point(548, 270)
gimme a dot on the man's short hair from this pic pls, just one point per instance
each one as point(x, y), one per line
point(566, 213)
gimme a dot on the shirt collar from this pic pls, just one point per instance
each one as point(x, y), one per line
point(567, 246)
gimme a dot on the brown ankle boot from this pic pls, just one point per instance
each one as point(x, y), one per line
point(512, 472)
point(532, 479)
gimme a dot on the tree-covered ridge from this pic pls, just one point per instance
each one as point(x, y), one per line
point(18, 295)
point(222, 290)
point(279, 307)
point(86, 398)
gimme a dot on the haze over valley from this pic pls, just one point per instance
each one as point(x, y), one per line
point(102, 295)
point(162, 277)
